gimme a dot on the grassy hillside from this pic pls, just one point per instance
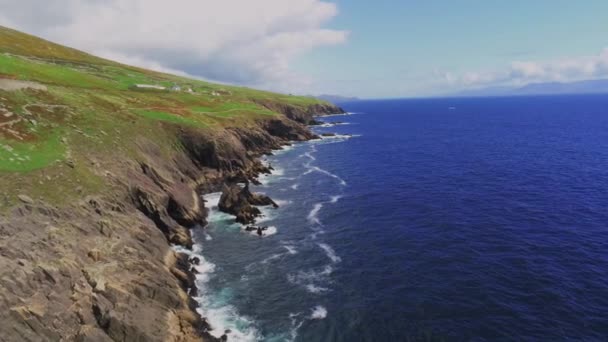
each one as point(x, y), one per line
point(65, 113)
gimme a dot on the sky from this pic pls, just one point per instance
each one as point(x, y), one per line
point(370, 49)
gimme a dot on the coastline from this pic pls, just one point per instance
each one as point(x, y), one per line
point(194, 254)
point(102, 251)
point(221, 312)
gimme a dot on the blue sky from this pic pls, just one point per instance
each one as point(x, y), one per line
point(405, 48)
point(382, 48)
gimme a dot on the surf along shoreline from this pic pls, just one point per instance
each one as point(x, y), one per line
point(231, 185)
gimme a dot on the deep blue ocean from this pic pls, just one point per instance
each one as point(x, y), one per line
point(440, 219)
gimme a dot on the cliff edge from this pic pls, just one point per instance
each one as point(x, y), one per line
point(100, 177)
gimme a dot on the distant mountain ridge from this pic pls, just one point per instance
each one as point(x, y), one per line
point(546, 88)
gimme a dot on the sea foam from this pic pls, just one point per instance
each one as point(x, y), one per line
point(214, 307)
point(313, 216)
point(319, 312)
point(331, 254)
point(335, 199)
point(312, 169)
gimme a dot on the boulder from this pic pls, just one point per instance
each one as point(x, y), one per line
point(241, 202)
point(25, 199)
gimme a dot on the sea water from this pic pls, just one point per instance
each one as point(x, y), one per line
point(438, 219)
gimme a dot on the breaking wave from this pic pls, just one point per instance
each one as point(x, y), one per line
point(319, 312)
point(331, 254)
point(313, 216)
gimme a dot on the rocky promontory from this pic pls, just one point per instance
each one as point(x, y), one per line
point(241, 202)
point(102, 167)
point(102, 268)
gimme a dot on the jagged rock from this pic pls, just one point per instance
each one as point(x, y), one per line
point(94, 254)
point(102, 268)
point(302, 115)
point(241, 203)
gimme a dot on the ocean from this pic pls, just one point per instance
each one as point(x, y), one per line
point(469, 219)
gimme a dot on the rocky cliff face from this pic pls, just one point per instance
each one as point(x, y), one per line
point(102, 268)
point(304, 116)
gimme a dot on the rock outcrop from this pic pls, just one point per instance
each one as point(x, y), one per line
point(103, 268)
point(241, 202)
point(301, 115)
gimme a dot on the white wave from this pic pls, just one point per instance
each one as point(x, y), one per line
point(332, 124)
point(320, 170)
point(318, 232)
point(313, 215)
point(283, 149)
point(331, 254)
point(208, 237)
point(309, 156)
point(212, 200)
point(290, 249)
point(226, 317)
point(272, 258)
point(306, 277)
point(335, 199)
point(276, 174)
point(312, 288)
point(319, 312)
point(282, 203)
point(214, 307)
point(340, 136)
point(215, 215)
point(295, 326)
point(268, 214)
point(295, 186)
point(341, 114)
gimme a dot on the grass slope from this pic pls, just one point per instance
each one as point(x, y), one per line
point(52, 140)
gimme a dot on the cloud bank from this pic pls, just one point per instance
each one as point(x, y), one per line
point(525, 72)
point(234, 41)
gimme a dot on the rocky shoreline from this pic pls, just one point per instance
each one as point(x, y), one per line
point(238, 200)
point(103, 268)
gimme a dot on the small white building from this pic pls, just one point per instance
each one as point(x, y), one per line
point(149, 86)
point(175, 87)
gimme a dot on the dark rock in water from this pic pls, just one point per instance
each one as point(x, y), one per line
point(241, 202)
point(315, 123)
point(328, 134)
point(227, 331)
point(195, 260)
point(224, 338)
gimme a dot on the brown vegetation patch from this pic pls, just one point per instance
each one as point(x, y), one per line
point(53, 113)
point(8, 76)
point(184, 112)
point(101, 103)
point(17, 131)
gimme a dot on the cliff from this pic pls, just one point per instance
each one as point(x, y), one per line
point(99, 181)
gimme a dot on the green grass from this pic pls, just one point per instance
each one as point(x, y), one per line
point(103, 115)
point(167, 117)
point(48, 73)
point(22, 157)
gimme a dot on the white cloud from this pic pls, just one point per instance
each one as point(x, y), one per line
point(525, 72)
point(238, 41)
